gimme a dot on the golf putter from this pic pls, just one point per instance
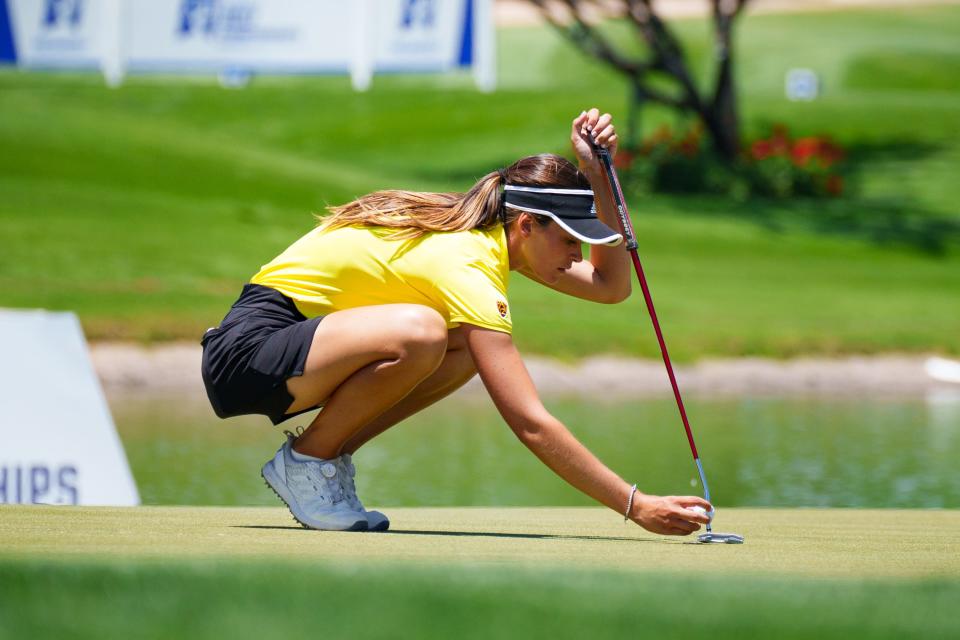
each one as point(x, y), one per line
point(631, 243)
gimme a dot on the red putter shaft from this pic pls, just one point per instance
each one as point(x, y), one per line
point(631, 243)
point(663, 350)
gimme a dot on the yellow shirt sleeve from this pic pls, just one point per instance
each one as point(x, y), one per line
point(468, 275)
point(476, 293)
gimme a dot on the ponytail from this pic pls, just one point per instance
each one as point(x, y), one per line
point(414, 213)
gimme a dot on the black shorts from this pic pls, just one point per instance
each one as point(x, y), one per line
point(262, 341)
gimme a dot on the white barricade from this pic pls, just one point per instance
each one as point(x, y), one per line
point(359, 37)
point(58, 443)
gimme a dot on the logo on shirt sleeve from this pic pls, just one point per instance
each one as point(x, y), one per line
point(502, 308)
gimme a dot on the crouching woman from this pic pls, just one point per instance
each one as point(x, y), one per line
point(397, 299)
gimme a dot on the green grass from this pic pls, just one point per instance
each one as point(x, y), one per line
point(813, 543)
point(146, 208)
point(279, 599)
point(202, 572)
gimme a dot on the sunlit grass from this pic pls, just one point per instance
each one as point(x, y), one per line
point(146, 208)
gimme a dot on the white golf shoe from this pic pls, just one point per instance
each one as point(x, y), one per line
point(312, 490)
point(376, 521)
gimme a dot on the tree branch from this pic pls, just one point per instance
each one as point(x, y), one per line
point(718, 111)
point(653, 95)
point(724, 12)
point(591, 41)
point(666, 48)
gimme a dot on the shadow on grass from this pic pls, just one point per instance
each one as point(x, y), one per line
point(861, 154)
point(890, 221)
point(477, 534)
point(882, 222)
point(520, 536)
point(887, 222)
point(893, 220)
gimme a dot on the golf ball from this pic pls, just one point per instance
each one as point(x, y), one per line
point(702, 511)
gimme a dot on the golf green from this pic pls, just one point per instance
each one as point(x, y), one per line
point(808, 542)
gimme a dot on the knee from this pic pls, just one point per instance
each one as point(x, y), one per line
point(421, 333)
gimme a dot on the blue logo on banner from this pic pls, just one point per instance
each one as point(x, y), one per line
point(222, 19)
point(466, 40)
point(198, 15)
point(8, 52)
point(418, 13)
point(58, 12)
point(38, 484)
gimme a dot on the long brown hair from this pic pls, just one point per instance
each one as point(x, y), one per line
point(415, 213)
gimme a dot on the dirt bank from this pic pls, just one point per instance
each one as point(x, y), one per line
point(128, 368)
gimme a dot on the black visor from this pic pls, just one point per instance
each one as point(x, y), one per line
point(572, 209)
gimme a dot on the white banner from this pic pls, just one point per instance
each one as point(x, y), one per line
point(58, 444)
point(277, 35)
point(55, 33)
point(255, 36)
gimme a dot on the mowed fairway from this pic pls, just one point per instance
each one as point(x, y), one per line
point(811, 542)
point(480, 572)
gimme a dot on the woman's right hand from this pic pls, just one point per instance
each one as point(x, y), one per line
point(669, 515)
point(599, 125)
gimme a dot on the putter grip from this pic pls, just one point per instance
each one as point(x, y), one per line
point(604, 155)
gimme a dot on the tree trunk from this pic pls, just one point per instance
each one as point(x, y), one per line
point(665, 58)
point(721, 118)
point(723, 132)
point(723, 121)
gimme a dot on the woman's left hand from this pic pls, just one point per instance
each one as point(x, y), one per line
point(603, 132)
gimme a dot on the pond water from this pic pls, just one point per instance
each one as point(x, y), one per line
point(768, 452)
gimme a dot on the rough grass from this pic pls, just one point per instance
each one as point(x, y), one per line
point(146, 208)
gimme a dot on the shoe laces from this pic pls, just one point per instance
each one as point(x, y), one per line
point(324, 474)
point(296, 433)
point(347, 484)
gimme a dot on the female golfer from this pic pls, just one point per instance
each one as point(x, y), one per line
point(397, 299)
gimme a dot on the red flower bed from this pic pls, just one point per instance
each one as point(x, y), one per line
point(773, 166)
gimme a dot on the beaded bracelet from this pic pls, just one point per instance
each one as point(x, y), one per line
point(626, 514)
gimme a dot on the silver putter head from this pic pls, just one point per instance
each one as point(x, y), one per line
point(720, 538)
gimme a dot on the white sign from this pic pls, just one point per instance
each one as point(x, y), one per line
point(58, 444)
point(254, 36)
point(802, 85)
point(274, 36)
point(55, 33)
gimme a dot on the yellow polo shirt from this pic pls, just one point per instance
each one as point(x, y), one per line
point(461, 274)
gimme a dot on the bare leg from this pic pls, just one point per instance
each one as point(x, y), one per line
point(361, 363)
point(456, 370)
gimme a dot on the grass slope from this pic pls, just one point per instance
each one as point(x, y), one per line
point(145, 208)
point(208, 572)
